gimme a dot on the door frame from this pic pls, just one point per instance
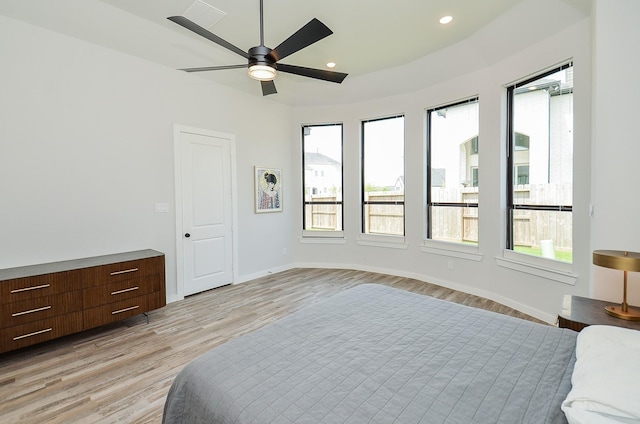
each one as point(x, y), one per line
point(177, 154)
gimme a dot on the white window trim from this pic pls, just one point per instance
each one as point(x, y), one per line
point(318, 234)
point(382, 240)
point(454, 250)
point(541, 267)
point(333, 239)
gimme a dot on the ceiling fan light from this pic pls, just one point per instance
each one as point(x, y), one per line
point(262, 72)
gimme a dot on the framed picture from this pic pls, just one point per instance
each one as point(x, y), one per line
point(268, 189)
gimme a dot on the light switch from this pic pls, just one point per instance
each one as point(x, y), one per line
point(162, 208)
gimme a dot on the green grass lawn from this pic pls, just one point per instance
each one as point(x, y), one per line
point(563, 256)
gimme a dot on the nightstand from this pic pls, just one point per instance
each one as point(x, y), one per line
point(580, 312)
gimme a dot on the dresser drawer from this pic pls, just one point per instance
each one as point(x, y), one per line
point(40, 308)
point(115, 311)
point(39, 331)
point(26, 288)
point(120, 290)
point(122, 271)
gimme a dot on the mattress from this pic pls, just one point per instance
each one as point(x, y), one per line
point(376, 354)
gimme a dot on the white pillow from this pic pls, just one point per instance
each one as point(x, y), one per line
point(605, 378)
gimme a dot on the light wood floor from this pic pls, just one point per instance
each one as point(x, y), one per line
point(121, 373)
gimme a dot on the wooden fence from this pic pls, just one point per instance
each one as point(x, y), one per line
point(532, 227)
point(460, 224)
point(326, 217)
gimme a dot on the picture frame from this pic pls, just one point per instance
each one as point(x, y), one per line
point(268, 189)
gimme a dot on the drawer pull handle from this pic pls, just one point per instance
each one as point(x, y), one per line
point(125, 290)
point(125, 271)
point(44, 286)
point(124, 310)
point(35, 333)
point(44, 308)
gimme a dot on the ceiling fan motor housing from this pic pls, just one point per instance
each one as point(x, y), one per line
point(261, 55)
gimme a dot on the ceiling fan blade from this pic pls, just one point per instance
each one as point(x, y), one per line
point(268, 87)
point(212, 68)
point(321, 74)
point(313, 31)
point(192, 26)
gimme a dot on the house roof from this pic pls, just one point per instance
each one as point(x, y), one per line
point(318, 159)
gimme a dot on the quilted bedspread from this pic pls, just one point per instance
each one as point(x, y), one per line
point(376, 354)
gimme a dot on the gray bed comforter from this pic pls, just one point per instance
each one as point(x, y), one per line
point(375, 354)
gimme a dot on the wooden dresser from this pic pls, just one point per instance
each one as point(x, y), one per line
point(46, 301)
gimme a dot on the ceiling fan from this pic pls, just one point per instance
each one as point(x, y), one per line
point(263, 62)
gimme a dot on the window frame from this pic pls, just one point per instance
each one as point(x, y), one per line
point(373, 237)
point(511, 207)
point(475, 140)
point(307, 233)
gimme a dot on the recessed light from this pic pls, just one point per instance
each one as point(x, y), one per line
point(331, 65)
point(446, 19)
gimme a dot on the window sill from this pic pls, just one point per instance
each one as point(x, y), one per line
point(540, 267)
point(322, 240)
point(322, 234)
point(453, 250)
point(392, 242)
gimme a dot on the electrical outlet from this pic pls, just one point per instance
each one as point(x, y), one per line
point(284, 251)
point(450, 264)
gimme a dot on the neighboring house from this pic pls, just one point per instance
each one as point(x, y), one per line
point(439, 176)
point(538, 154)
point(321, 174)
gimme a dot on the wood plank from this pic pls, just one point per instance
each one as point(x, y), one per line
point(122, 372)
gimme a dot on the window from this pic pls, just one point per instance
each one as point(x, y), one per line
point(540, 165)
point(322, 179)
point(474, 146)
point(474, 176)
point(383, 176)
point(521, 174)
point(452, 172)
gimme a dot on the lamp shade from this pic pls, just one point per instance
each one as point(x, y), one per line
point(617, 259)
point(624, 261)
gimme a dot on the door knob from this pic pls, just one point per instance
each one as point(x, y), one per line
point(187, 235)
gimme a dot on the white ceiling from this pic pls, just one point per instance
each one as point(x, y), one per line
point(378, 43)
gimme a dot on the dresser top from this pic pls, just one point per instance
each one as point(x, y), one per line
point(589, 311)
point(48, 268)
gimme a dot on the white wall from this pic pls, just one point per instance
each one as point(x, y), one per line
point(86, 151)
point(616, 193)
point(538, 296)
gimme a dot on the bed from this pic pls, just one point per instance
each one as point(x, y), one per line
point(376, 354)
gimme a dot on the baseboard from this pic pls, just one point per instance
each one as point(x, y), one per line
point(248, 277)
point(536, 313)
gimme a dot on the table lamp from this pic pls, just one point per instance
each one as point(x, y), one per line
point(625, 261)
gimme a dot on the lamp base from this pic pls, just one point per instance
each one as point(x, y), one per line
point(630, 314)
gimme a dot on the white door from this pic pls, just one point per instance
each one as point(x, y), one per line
point(204, 181)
